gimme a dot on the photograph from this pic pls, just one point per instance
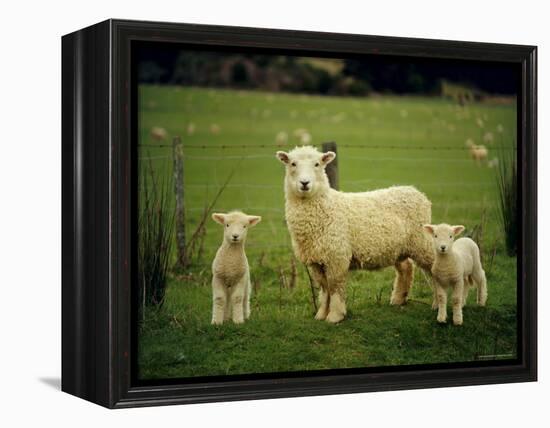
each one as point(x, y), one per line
point(303, 214)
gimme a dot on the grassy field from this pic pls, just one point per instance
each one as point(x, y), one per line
point(382, 141)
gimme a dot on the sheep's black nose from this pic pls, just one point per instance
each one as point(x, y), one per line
point(304, 183)
point(235, 236)
point(443, 247)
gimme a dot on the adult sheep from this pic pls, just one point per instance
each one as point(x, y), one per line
point(334, 231)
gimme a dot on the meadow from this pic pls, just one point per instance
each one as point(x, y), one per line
point(382, 141)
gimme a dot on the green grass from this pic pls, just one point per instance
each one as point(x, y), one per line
point(178, 340)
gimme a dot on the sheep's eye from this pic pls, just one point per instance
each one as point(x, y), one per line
point(227, 225)
point(317, 164)
point(451, 236)
point(435, 236)
point(244, 226)
point(293, 164)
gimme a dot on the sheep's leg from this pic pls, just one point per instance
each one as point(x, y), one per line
point(467, 286)
point(228, 306)
point(403, 281)
point(336, 279)
point(320, 278)
point(237, 302)
point(441, 303)
point(248, 290)
point(457, 300)
point(219, 301)
point(481, 281)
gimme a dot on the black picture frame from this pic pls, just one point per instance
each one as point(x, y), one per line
point(97, 221)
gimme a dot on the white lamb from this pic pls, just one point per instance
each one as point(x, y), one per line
point(457, 265)
point(231, 275)
point(334, 231)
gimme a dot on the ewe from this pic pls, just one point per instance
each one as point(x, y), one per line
point(457, 265)
point(231, 276)
point(158, 133)
point(332, 231)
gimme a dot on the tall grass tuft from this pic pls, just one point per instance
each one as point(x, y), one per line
point(507, 187)
point(156, 227)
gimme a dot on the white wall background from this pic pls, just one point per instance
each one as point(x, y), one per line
point(30, 273)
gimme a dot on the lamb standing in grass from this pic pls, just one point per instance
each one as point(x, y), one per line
point(231, 276)
point(332, 231)
point(457, 265)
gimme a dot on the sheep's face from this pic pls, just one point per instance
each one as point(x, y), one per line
point(443, 236)
point(305, 170)
point(235, 225)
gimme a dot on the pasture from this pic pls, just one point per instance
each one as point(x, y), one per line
point(382, 141)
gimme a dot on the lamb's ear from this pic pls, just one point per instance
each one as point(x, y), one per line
point(429, 228)
point(253, 220)
point(457, 230)
point(327, 157)
point(283, 157)
point(219, 218)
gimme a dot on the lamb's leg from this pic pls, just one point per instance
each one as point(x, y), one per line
point(403, 280)
point(320, 278)
point(219, 301)
point(248, 291)
point(467, 285)
point(237, 302)
point(481, 281)
point(441, 303)
point(457, 300)
point(336, 279)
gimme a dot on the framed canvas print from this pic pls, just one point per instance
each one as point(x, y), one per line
point(253, 213)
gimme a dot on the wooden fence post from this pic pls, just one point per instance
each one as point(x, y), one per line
point(177, 154)
point(332, 168)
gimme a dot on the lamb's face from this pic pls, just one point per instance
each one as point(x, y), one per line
point(235, 225)
point(443, 236)
point(305, 170)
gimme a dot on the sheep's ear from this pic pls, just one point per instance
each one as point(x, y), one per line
point(429, 228)
point(253, 220)
point(283, 157)
point(457, 230)
point(219, 218)
point(327, 157)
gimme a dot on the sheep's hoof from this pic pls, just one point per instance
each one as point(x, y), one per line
point(321, 314)
point(441, 320)
point(238, 321)
point(217, 322)
point(435, 305)
point(395, 300)
point(334, 317)
point(457, 321)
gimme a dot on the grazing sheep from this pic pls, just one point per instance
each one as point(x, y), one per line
point(158, 133)
point(479, 153)
point(231, 275)
point(215, 129)
point(488, 137)
point(493, 163)
point(191, 128)
point(332, 231)
point(281, 138)
point(500, 128)
point(457, 265)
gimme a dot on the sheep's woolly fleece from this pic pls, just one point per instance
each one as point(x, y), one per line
point(373, 229)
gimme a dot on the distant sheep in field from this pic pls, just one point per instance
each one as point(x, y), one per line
point(303, 136)
point(281, 138)
point(191, 128)
point(230, 272)
point(215, 129)
point(488, 137)
point(478, 153)
point(158, 133)
point(493, 163)
point(334, 231)
point(457, 265)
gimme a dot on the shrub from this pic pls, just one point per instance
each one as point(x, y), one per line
point(156, 225)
